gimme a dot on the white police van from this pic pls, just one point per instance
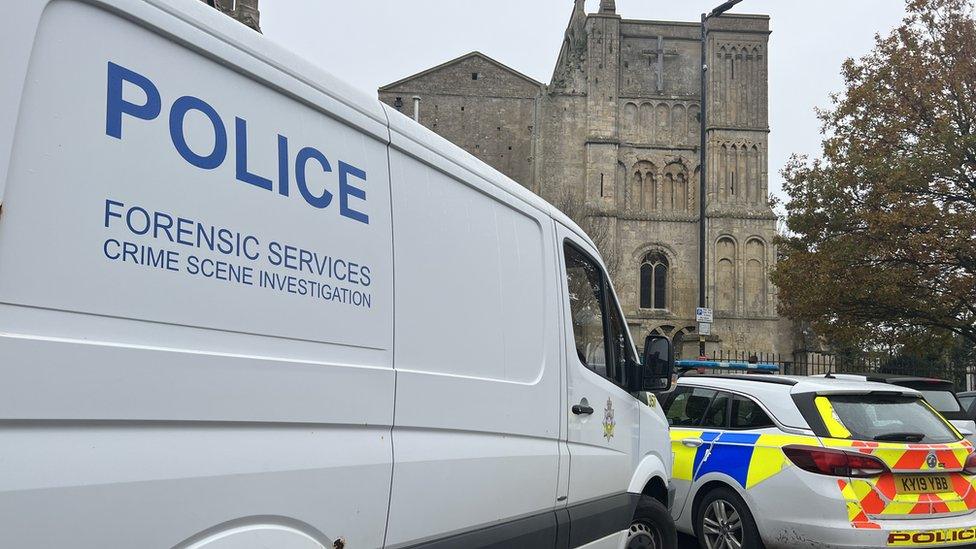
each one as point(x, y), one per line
point(242, 305)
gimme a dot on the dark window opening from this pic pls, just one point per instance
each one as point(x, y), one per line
point(687, 406)
point(654, 281)
point(717, 415)
point(474, 76)
point(746, 414)
point(598, 327)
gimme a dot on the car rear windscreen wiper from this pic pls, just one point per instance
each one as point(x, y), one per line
point(900, 437)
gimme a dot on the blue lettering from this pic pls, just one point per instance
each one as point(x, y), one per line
point(339, 272)
point(117, 106)
point(274, 253)
point(183, 228)
point(120, 80)
point(248, 242)
point(129, 251)
point(144, 214)
point(177, 119)
point(157, 225)
point(108, 211)
point(282, 165)
point(240, 131)
point(345, 190)
point(105, 248)
point(301, 162)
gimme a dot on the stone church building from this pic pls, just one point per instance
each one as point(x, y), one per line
point(245, 11)
point(615, 136)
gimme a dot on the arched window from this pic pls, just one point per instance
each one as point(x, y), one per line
point(654, 281)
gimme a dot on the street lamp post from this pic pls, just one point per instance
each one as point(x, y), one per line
point(702, 189)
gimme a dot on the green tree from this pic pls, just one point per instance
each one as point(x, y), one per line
point(881, 236)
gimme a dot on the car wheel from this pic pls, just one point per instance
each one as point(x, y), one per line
point(723, 521)
point(652, 527)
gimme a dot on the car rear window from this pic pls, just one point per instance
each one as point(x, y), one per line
point(887, 418)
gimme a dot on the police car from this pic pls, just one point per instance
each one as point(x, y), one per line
point(786, 462)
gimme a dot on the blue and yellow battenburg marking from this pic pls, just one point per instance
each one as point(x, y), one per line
point(749, 458)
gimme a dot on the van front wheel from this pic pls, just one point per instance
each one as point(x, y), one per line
point(652, 527)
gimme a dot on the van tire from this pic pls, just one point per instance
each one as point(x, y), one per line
point(724, 501)
point(652, 527)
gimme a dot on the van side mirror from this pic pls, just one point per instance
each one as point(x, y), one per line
point(658, 364)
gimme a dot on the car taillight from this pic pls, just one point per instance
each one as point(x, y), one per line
point(836, 463)
point(970, 468)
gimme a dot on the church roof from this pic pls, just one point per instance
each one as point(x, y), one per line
point(465, 57)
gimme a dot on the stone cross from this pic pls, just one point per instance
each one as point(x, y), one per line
point(658, 55)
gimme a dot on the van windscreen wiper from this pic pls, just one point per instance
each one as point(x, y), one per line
point(900, 437)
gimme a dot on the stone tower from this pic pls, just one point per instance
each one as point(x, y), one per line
point(615, 135)
point(245, 11)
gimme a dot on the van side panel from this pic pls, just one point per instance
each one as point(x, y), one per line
point(196, 296)
point(477, 421)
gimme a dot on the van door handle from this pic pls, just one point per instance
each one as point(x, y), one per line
point(693, 442)
point(582, 410)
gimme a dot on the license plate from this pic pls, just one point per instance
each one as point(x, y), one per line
point(923, 484)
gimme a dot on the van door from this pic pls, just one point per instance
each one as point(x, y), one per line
point(603, 416)
point(476, 435)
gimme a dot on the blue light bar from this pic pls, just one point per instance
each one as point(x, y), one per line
point(718, 365)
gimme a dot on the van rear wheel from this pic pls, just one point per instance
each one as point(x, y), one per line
point(652, 527)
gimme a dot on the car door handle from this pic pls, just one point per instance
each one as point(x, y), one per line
point(582, 410)
point(693, 442)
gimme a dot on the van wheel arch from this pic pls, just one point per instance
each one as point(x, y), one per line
point(657, 489)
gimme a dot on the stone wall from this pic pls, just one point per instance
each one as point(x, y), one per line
point(245, 11)
point(616, 134)
point(481, 106)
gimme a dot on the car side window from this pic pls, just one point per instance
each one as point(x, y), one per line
point(688, 406)
point(747, 414)
point(717, 415)
point(586, 301)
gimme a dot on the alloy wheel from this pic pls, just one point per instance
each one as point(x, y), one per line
point(722, 526)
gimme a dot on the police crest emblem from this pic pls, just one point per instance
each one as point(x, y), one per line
point(608, 422)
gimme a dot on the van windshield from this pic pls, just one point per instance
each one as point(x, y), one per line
point(889, 418)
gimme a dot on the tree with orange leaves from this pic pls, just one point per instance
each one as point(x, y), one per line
point(881, 235)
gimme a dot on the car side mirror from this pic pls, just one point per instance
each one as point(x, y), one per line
point(658, 364)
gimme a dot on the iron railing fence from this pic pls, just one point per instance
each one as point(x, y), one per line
point(961, 372)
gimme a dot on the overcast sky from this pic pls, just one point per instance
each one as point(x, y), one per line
point(370, 43)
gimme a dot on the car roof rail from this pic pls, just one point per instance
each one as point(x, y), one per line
point(759, 379)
